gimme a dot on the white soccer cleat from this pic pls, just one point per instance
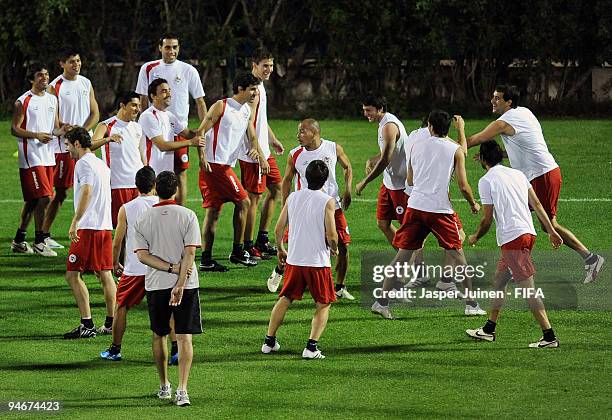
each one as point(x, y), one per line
point(266, 349)
point(44, 250)
point(592, 270)
point(21, 247)
point(165, 392)
point(344, 294)
point(274, 281)
point(383, 311)
point(418, 282)
point(474, 310)
point(104, 330)
point(543, 344)
point(182, 398)
point(479, 334)
point(449, 287)
point(53, 244)
point(307, 354)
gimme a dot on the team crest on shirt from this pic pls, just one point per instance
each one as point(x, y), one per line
point(185, 158)
point(72, 258)
point(327, 161)
point(178, 79)
point(399, 210)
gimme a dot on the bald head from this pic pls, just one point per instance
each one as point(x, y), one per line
point(312, 125)
point(309, 134)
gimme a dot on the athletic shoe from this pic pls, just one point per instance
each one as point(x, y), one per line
point(104, 330)
point(80, 332)
point(449, 287)
point(474, 310)
point(44, 250)
point(593, 270)
point(106, 354)
point(182, 399)
point(307, 354)
point(545, 344)
point(165, 392)
point(418, 282)
point(173, 359)
point(266, 249)
point(344, 294)
point(53, 244)
point(21, 247)
point(479, 334)
point(266, 349)
point(254, 253)
point(274, 281)
point(213, 265)
point(383, 311)
point(244, 259)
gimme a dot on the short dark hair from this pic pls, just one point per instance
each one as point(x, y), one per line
point(440, 121)
point(168, 35)
point(79, 134)
point(317, 173)
point(67, 53)
point(145, 179)
point(153, 87)
point(126, 97)
point(377, 101)
point(261, 54)
point(491, 153)
point(34, 68)
point(244, 80)
point(510, 92)
point(166, 184)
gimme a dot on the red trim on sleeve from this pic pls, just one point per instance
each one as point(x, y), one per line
point(216, 128)
point(107, 145)
point(149, 68)
point(23, 125)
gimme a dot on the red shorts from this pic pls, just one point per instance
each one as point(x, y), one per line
point(120, 196)
point(36, 182)
point(254, 181)
point(418, 224)
point(516, 257)
point(547, 187)
point(318, 280)
point(93, 252)
point(64, 170)
point(458, 221)
point(344, 237)
point(181, 156)
point(130, 291)
point(220, 186)
point(391, 204)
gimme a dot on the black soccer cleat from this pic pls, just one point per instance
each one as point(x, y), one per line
point(243, 258)
point(212, 265)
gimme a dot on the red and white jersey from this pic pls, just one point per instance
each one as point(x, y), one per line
point(133, 210)
point(89, 170)
point(261, 127)
point(394, 175)
point(159, 123)
point(433, 163)
point(527, 150)
point(224, 139)
point(307, 242)
point(74, 105)
point(327, 153)
point(415, 136)
point(123, 158)
point(183, 79)
point(38, 116)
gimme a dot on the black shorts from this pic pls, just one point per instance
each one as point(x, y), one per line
point(186, 316)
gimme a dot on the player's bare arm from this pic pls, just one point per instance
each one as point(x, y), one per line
point(279, 232)
point(494, 129)
point(290, 173)
point(462, 181)
point(255, 151)
point(94, 113)
point(485, 223)
point(84, 198)
point(370, 163)
point(17, 131)
point(331, 235)
point(459, 125)
point(211, 117)
point(118, 244)
point(186, 266)
point(410, 174)
point(555, 239)
point(98, 140)
point(274, 143)
point(153, 261)
point(390, 135)
point(348, 176)
point(201, 107)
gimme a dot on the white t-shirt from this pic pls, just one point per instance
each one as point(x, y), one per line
point(89, 170)
point(224, 141)
point(123, 158)
point(527, 150)
point(133, 210)
point(307, 242)
point(327, 153)
point(415, 136)
point(261, 127)
point(507, 190)
point(159, 123)
point(74, 105)
point(183, 79)
point(165, 230)
point(38, 116)
point(433, 163)
point(394, 175)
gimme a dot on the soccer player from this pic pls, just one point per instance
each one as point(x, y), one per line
point(430, 169)
point(35, 120)
point(313, 147)
point(77, 106)
point(524, 142)
point(309, 212)
point(391, 162)
point(165, 237)
point(506, 196)
point(184, 81)
point(225, 125)
point(160, 126)
point(91, 248)
point(119, 137)
point(254, 182)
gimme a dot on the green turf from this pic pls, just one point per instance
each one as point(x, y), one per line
point(421, 365)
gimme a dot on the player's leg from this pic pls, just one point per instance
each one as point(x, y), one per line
point(53, 208)
point(318, 324)
point(19, 241)
point(181, 192)
point(342, 264)
point(249, 225)
point(174, 350)
point(500, 281)
point(387, 228)
point(381, 304)
point(159, 316)
point(536, 305)
point(110, 293)
point(160, 354)
point(185, 346)
point(239, 255)
point(119, 325)
point(86, 328)
point(209, 228)
point(278, 315)
point(267, 211)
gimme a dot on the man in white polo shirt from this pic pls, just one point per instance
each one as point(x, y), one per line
point(184, 81)
point(166, 236)
point(527, 150)
point(506, 196)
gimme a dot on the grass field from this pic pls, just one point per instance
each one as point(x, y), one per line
point(421, 365)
